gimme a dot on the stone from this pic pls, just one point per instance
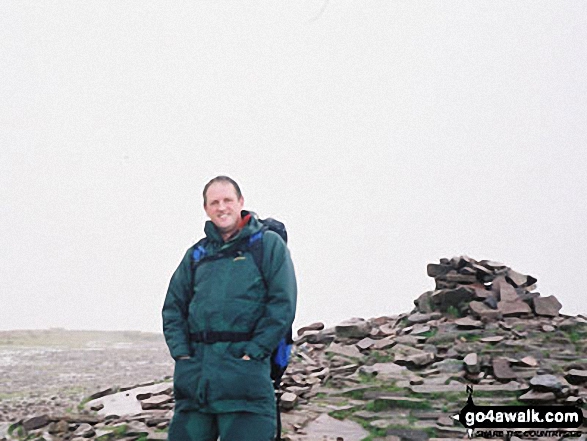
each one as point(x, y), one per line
point(385, 371)
point(434, 270)
point(547, 383)
point(420, 329)
point(482, 293)
point(407, 355)
point(492, 339)
point(36, 422)
point(516, 308)
point(472, 364)
point(288, 401)
point(537, 397)
point(502, 369)
point(418, 317)
point(326, 427)
point(529, 361)
point(388, 329)
point(85, 431)
point(125, 402)
point(345, 351)
point(384, 343)
point(366, 343)
point(102, 393)
point(548, 328)
point(156, 436)
point(461, 278)
point(409, 340)
point(491, 302)
point(516, 279)
point(468, 323)
point(317, 326)
point(60, 426)
point(492, 265)
point(576, 376)
point(424, 303)
point(155, 402)
point(507, 293)
point(481, 310)
point(547, 306)
point(353, 328)
point(448, 366)
point(445, 298)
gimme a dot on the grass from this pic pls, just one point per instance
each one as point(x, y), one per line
point(381, 405)
point(380, 357)
point(341, 414)
point(431, 333)
point(453, 312)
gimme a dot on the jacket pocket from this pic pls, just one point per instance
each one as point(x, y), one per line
point(186, 378)
point(239, 379)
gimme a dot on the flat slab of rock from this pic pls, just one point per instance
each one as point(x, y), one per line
point(365, 343)
point(36, 422)
point(516, 308)
point(547, 306)
point(547, 383)
point(445, 298)
point(529, 361)
point(345, 351)
point(492, 339)
point(385, 370)
point(353, 328)
point(85, 431)
point(480, 309)
point(126, 402)
point(418, 317)
point(468, 323)
point(155, 402)
point(576, 376)
point(537, 397)
point(502, 369)
point(327, 428)
point(317, 326)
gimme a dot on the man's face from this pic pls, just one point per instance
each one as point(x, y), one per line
point(223, 207)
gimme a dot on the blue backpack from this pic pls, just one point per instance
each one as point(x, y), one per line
point(281, 354)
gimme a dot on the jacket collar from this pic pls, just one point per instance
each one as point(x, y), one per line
point(249, 225)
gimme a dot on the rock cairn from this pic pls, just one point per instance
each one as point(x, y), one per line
point(488, 290)
point(397, 377)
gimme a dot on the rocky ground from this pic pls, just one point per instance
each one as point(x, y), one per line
point(51, 371)
point(390, 378)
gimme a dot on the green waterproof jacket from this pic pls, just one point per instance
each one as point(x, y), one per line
point(229, 295)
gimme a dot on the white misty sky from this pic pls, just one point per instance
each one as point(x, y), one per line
point(386, 135)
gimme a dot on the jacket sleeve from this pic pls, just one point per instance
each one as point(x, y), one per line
point(175, 309)
point(280, 307)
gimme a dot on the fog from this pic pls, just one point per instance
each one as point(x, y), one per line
point(385, 135)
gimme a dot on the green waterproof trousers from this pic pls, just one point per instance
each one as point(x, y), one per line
point(234, 426)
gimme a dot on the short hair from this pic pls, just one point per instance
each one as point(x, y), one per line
point(223, 179)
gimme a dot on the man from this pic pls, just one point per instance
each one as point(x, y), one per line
point(221, 322)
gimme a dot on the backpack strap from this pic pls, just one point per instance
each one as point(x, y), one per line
point(199, 252)
point(255, 245)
